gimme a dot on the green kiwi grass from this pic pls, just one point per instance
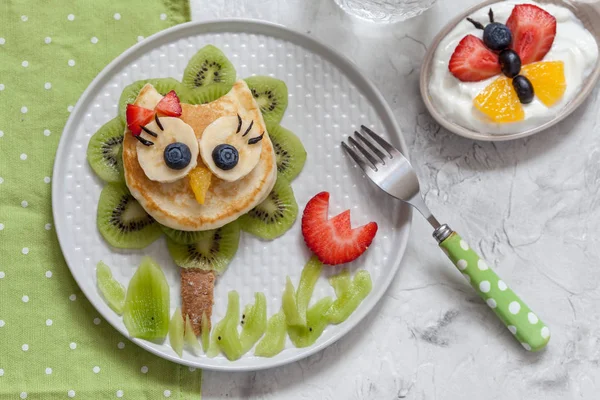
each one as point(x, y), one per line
point(146, 311)
point(104, 151)
point(208, 66)
point(122, 221)
point(213, 250)
point(275, 215)
point(271, 94)
point(162, 86)
point(289, 152)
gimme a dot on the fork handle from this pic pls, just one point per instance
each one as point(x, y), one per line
point(527, 328)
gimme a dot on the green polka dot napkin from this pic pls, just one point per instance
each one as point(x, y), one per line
point(53, 344)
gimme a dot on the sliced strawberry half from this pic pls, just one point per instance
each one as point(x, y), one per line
point(472, 61)
point(137, 117)
point(169, 105)
point(533, 30)
point(333, 240)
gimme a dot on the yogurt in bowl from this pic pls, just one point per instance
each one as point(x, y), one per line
point(453, 99)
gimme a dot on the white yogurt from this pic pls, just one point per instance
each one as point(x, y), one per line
point(573, 44)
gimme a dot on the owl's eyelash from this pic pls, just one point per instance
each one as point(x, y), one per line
point(249, 127)
point(257, 139)
point(149, 132)
point(239, 124)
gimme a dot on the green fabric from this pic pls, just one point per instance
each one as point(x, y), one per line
point(53, 345)
point(527, 328)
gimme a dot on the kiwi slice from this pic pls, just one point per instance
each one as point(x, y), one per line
point(104, 151)
point(316, 322)
point(306, 286)
point(213, 251)
point(205, 337)
point(146, 311)
point(340, 282)
point(122, 221)
point(275, 215)
point(112, 291)
point(274, 340)
point(225, 335)
point(350, 299)
point(289, 305)
point(189, 336)
point(209, 65)
point(182, 237)
point(206, 94)
point(289, 152)
point(271, 94)
point(176, 332)
point(162, 86)
point(254, 322)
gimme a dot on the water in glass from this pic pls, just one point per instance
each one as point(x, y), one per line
point(385, 11)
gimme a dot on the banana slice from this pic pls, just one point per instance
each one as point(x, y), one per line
point(239, 133)
point(152, 159)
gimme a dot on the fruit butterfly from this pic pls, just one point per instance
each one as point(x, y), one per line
point(516, 50)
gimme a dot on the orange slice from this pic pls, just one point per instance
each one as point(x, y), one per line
point(500, 102)
point(200, 178)
point(548, 80)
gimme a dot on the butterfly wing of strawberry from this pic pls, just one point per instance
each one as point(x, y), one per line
point(472, 61)
point(533, 30)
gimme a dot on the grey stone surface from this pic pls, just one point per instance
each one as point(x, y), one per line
point(529, 206)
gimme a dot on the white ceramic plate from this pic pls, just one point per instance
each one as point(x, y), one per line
point(328, 99)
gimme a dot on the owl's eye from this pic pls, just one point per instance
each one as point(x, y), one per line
point(225, 156)
point(230, 148)
point(177, 155)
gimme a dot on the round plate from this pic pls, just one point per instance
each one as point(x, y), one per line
point(590, 17)
point(328, 99)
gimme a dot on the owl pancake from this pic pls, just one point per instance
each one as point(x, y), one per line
point(167, 195)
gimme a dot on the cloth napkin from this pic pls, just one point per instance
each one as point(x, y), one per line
point(53, 344)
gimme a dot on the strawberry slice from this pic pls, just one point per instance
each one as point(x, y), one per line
point(533, 30)
point(137, 117)
point(169, 105)
point(333, 240)
point(472, 61)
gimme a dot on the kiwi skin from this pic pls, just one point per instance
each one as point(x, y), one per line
point(116, 203)
point(101, 155)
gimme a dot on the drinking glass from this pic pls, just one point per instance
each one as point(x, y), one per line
point(385, 11)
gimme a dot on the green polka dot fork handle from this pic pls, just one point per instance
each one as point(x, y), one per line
point(387, 168)
point(528, 329)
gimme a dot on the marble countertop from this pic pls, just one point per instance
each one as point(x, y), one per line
point(530, 206)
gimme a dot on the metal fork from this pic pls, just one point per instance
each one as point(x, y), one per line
point(392, 172)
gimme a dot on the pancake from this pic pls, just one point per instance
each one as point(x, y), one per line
point(173, 204)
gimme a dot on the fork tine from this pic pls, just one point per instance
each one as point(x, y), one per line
point(357, 159)
point(374, 149)
point(381, 141)
point(364, 152)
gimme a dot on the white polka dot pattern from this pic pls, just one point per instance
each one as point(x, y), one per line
point(518, 318)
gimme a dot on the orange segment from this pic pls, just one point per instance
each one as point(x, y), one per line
point(548, 80)
point(500, 102)
point(200, 178)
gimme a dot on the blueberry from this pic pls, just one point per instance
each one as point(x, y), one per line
point(510, 62)
point(177, 155)
point(225, 156)
point(497, 36)
point(524, 89)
